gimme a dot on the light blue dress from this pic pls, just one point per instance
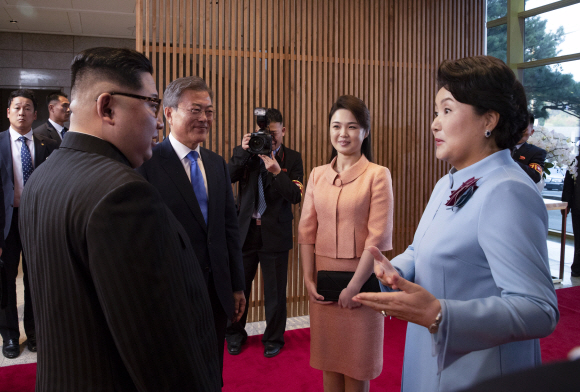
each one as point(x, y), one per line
point(487, 263)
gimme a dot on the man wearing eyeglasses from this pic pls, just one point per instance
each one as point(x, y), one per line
point(21, 152)
point(119, 297)
point(268, 187)
point(195, 184)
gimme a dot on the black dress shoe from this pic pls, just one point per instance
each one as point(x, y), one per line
point(32, 344)
point(234, 348)
point(11, 348)
point(271, 350)
point(575, 274)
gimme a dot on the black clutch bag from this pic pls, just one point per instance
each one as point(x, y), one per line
point(329, 284)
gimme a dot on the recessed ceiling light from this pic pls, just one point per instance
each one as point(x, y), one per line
point(13, 21)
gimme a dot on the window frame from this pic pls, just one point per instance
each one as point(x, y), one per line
point(515, 17)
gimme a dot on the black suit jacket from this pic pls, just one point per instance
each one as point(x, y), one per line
point(216, 244)
point(280, 193)
point(570, 192)
point(531, 159)
point(48, 130)
point(119, 302)
point(43, 147)
point(2, 214)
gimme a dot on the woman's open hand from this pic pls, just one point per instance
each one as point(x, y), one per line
point(384, 270)
point(413, 303)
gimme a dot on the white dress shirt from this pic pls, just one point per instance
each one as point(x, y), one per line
point(182, 150)
point(16, 146)
point(58, 128)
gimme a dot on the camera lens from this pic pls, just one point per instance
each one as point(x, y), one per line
point(256, 143)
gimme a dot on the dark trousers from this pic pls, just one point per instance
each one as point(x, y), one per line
point(11, 256)
point(275, 271)
point(576, 230)
point(220, 319)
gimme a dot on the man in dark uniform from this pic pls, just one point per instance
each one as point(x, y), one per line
point(529, 157)
point(269, 185)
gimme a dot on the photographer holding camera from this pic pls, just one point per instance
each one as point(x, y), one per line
point(270, 181)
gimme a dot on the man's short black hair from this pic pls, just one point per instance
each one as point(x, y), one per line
point(274, 116)
point(24, 93)
point(117, 65)
point(54, 97)
point(532, 119)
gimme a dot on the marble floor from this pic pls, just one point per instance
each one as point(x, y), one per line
point(257, 328)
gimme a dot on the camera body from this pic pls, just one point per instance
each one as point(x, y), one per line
point(261, 140)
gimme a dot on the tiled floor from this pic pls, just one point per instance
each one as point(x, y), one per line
point(257, 328)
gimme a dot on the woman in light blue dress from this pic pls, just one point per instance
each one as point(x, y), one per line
point(475, 284)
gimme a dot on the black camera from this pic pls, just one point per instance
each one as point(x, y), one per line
point(261, 140)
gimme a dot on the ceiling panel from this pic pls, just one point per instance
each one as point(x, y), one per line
point(74, 19)
point(123, 6)
point(5, 21)
point(115, 25)
point(40, 19)
point(42, 3)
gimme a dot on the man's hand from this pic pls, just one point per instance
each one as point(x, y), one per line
point(239, 305)
point(271, 164)
point(246, 141)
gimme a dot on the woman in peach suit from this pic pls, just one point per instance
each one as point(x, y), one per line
point(347, 208)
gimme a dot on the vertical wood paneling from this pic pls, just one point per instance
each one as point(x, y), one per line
point(299, 56)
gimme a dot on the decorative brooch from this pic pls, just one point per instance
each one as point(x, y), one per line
point(460, 196)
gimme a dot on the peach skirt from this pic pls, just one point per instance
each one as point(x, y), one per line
point(346, 341)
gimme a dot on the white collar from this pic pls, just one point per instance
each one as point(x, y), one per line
point(181, 149)
point(15, 135)
point(56, 126)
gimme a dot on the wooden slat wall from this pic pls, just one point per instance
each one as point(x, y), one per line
point(299, 56)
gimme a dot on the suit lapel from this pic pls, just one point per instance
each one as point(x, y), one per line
point(6, 150)
point(172, 165)
point(40, 151)
point(52, 131)
point(211, 176)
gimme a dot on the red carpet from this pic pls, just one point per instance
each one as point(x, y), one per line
point(290, 371)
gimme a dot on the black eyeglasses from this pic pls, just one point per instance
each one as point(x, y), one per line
point(157, 101)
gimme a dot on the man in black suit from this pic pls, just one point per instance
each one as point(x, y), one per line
point(265, 218)
point(2, 272)
point(571, 194)
point(529, 157)
point(58, 114)
point(21, 152)
point(195, 184)
point(119, 297)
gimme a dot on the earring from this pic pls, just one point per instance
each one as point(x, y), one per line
point(487, 133)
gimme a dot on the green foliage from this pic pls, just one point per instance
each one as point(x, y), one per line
point(546, 87)
point(496, 9)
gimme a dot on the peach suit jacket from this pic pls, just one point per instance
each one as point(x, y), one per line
point(344, 213)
